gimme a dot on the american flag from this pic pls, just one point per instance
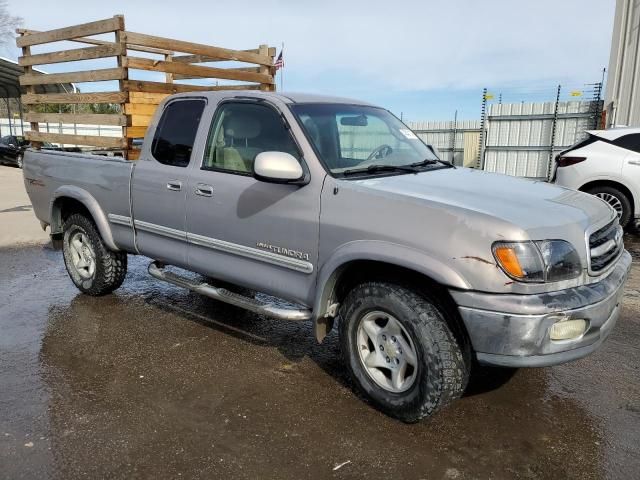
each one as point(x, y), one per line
point(279, 62)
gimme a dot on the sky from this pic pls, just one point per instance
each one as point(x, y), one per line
point(422, 59)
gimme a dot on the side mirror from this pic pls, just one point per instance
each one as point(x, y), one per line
point(277, 167)
point(12, 145)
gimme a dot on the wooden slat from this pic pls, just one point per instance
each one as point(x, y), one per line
point(31, 90)
point(108, 142)
point(178, 76)
point(73, 55)
point(195, 70)
point(265, 70)
point(159, 87)
point(120, 60)
point(70, 77)
point(146, 98)
point(196, 48)
point(168, 77)
point(86, 118)
point(94, 41)
point(139, 109)
point(68, 33)
point(135, 132)
point(205, 59)
point(140, 120)
point(96, 97)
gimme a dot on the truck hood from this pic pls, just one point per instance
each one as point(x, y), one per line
point(531, 205)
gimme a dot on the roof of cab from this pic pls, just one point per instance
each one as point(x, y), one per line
point(283, 97)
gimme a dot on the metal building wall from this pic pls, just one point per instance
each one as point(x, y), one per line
point(622, 97)
point(449, 137)
point(520, 138)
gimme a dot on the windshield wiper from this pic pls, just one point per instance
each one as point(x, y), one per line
point(381, 168)
point(429, 161)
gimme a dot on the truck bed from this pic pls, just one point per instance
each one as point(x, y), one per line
point(49, 175)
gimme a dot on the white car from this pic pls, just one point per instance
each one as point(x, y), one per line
point(606, 164)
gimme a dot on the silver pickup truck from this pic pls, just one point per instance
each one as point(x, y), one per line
point(338, 208)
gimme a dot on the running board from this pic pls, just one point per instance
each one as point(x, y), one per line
point(156, 270)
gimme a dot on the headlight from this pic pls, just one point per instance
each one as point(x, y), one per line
point(540, 261)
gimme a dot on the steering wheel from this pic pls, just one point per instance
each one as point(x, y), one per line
point(380, 152)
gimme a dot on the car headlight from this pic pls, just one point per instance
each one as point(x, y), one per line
point(539, 261)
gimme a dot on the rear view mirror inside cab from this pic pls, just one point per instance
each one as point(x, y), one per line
point(355, 121)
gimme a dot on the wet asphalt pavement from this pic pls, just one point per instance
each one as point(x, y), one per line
point(157, 382)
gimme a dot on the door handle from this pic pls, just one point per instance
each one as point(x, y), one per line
point(174, 185)
point(634, 162)
point(204, 190)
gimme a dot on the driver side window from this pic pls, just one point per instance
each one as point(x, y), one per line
point(239, 132)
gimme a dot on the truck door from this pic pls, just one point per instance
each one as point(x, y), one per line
point(257, 234)
point(159, 182)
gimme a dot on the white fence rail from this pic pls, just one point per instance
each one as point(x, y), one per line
point(17, 128)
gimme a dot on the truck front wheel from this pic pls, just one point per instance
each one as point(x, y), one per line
point(400, 351)
point(93, 268)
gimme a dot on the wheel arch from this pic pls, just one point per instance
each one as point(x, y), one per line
point(368, 261)
point(614, 183)
point(71, 199)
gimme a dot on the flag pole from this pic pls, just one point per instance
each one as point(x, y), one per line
point(282, 69)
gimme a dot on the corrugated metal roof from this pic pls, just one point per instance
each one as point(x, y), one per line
point(10, 85)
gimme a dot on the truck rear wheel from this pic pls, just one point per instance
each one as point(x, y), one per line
point(400, 351)
point(93, 268)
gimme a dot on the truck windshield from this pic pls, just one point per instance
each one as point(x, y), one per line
point(361, 139)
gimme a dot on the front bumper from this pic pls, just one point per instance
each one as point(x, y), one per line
point(513, 330)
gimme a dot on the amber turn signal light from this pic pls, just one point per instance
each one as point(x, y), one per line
point(508, 259)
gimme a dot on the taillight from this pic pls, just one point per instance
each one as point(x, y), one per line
point(567, 161)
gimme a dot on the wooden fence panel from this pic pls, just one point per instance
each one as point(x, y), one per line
point(138, 99)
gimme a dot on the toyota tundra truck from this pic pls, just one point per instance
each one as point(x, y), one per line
point(340, 210)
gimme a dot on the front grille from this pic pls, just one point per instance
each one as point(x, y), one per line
point(605, 245)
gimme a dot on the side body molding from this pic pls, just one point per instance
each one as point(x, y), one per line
point(90, 203)
point(377, 251)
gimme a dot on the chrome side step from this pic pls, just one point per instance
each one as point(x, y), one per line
point(156, 270)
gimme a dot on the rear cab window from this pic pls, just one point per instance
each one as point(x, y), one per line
point(176, 132)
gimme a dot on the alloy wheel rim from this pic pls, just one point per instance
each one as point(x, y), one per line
point(387, 352)
point(611, 200)
point(83, 257)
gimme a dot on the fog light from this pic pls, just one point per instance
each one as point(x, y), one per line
point(568, 329)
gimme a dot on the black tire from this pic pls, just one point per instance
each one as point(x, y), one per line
point(110, 267)
point(625, 203)
point(442, 368)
